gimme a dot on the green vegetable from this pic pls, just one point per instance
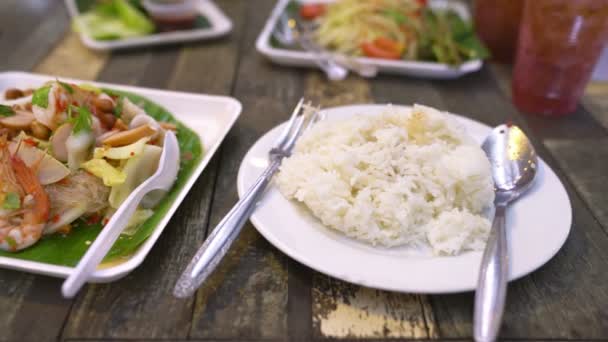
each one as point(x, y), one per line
point(133, 17)
point(115, 19)
point(118, 107)
point(66, 86)
point(11, 201)
point(446, 38)
point(397, 16)
point(472, 48)
point(67, 250)
point(293, 9)
point(89, 87)
point(11, 242)
point(82, 121)
point(40, 97)
point(6, 110)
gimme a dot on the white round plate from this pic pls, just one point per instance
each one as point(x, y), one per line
point(538, 225)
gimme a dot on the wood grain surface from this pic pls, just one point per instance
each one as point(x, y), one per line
point(258, 293)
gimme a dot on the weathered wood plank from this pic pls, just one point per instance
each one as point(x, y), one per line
point(29, 30)
point(70, 58)
point(596, 101)
point(585, 162)
point(246, 298)
point(561, 300)
point(342, 310)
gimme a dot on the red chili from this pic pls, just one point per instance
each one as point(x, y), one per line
point(60, 106)
point(55, 218)
point(422, 3)
point(30, 141)
point(95, 218)
point(105, 221)
point(311, 11)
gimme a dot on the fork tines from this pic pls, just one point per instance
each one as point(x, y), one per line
point(304, 116)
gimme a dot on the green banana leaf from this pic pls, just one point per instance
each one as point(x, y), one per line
point(66, 250)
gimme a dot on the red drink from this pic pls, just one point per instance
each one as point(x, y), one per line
point(497, 24)
point(559, 44)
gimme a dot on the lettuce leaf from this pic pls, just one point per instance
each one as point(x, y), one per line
point(116, 19)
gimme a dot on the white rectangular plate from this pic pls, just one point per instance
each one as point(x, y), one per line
point(220, 25)
point(210, 117)
point(410, 68)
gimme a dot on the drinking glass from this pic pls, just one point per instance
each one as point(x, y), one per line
point(559, 44)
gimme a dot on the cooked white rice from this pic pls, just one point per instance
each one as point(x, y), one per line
point(394, 179)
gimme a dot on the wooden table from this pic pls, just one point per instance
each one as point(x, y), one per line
point(258, 293)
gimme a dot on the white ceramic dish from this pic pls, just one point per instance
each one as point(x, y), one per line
point(210, 117)
point(410, 68)
point(538, 226)
point(220, 25)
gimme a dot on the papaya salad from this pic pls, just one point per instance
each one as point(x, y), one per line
point(70, 152)
point(393, 29)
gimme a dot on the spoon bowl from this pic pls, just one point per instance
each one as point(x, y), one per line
point(513, 160)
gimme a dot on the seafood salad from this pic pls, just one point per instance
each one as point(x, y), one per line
point(70, 152)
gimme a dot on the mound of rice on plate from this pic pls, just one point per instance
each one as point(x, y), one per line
point(401, 178)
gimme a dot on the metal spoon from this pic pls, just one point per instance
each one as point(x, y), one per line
point(291, 32)
point(514, 165)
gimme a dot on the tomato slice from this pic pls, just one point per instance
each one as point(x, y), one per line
point(371, 50)
point(389, 45)
point(311, 11)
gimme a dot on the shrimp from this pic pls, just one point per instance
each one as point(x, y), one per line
point(23, 227)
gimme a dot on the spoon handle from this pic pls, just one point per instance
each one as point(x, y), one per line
point(102, 244)
point(492, 286)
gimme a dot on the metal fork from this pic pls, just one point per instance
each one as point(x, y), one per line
point(218, 243)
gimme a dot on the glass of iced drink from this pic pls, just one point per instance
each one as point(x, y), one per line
point(559, 44)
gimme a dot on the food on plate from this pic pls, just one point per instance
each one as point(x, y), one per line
point(113, 19)
point(401, 178)
point(392, 29)
point(70, 152)
point(120, 19)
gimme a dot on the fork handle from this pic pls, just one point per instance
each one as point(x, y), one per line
point(493, 276)
point(218, 243)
